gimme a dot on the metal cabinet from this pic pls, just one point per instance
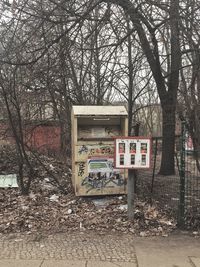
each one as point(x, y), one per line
point(93, 132)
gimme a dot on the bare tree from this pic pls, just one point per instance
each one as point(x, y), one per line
point(9, 82)
point(89, 38)
point(147, 30)
point(189, 93)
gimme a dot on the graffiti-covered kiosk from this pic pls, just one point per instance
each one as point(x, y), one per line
point(93, 132)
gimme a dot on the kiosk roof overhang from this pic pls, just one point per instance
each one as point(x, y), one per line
point(99, 111)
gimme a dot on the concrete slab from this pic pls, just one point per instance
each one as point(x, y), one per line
point(167, 252)
point(163, 260)
point(110, 264)
point(20, 263)
point(63, 263)
point(195, 261)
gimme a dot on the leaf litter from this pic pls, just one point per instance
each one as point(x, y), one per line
point(48, 209)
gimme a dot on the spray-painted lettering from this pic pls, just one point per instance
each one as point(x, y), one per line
point(99, 181)
point(96, 150)
point(104, 150)
point(83, 149)
point(81, 168)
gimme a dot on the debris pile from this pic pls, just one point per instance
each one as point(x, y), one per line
point(46, 208)
point(50, 211)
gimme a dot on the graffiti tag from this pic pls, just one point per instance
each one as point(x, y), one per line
point(99, 181)
point(83, 149)
point(81, 168)
point(105, 150)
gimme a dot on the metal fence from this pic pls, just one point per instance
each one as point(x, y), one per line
point(192, 192)
point(179, 194)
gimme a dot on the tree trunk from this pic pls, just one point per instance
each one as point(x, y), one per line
point(168, 142)
point(167, 94)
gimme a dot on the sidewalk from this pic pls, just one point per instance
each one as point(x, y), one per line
point(174, 251)
point(90, 249)
point(61, 263)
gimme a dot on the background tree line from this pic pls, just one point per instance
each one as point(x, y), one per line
point(101, 52)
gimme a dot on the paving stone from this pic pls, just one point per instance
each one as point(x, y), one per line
point(64, 263)
point(69, 246)
point(110, 264)
point(195, 261)
point(20, 263)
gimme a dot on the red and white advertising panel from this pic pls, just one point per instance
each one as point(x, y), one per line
point(133, 152)
point(188, 143)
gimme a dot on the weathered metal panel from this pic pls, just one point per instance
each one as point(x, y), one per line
point(98, 183)
point(99, 110)
point(93, 129)
point(83, 152)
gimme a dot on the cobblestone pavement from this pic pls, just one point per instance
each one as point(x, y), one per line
point(67, 246)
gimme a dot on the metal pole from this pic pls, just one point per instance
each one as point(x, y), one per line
point(130, 194)
point(154, 168)
point(182, 176)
